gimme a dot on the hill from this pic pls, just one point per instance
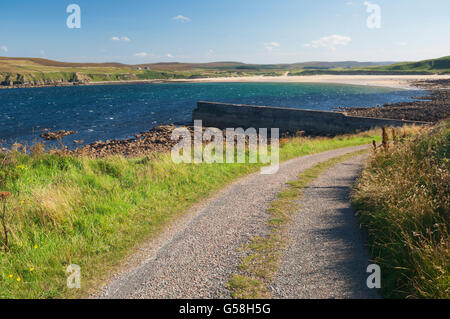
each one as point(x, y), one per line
point(437, 65)
point(26, 72)
point(432, 66)
point(20, 72)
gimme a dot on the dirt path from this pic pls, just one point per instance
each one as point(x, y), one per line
point(196, 258)
point(326, 257)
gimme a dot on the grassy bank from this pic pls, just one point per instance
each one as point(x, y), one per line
point(403, 197)
point(92, 212)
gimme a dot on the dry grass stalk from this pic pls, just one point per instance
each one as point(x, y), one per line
point(394, 135)
point(3, 198)
point(385, 139)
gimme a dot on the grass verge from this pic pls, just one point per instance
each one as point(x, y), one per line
point(92, 212)
point(403, 198)
point(264, 254)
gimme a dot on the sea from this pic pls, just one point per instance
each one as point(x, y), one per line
point(106, 112)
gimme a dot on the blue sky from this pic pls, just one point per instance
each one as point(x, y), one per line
point(252, 31)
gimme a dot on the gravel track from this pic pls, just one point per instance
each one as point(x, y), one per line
point(326, 257)
point(196, 257)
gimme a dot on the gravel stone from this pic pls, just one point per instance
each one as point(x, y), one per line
point(326, 257)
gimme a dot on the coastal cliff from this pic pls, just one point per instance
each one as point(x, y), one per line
point(39, 79)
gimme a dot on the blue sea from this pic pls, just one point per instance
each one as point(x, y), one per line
point(103, 112)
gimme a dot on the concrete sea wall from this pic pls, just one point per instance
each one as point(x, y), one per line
point(223, 115)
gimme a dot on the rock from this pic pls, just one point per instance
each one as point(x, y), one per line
point(57, 135)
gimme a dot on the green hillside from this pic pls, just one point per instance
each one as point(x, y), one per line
point(432, 66)
point(441, 65)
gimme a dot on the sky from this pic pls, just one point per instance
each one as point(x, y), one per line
point(250, 31)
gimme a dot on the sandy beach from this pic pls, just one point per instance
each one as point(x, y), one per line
point(395, 81)
point(392, 81)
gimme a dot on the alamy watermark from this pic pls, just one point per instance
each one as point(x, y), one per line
point(374, 19)
point(74, 278)
point(235, 150)
point(374, 279)
point(74, 19)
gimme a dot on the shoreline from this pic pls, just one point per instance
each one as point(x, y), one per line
point(431, 107)
point(391, 81)
point(404, 82)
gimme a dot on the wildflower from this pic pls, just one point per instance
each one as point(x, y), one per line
point(35, 246)
point(22, 167)
point(18, 279)
point(22, 202)
point(10, 276)
point(31, 269)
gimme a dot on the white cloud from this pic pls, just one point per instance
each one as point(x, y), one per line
point(42, 52)
point(122, 39)
point(349, 3)
point(330, 42)
point(402, 43)
point(169, 55)
point(182, 18)
point(269, 46)
point(141, 54)
point(4, 48)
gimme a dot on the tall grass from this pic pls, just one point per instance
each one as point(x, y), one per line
point(403, 198)
point(76, 210)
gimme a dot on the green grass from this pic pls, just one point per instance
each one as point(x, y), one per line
point(403, 198)
point(92, 212)
point(264, 254)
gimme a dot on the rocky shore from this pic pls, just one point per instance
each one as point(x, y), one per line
point(430, 108)
point(157, 139)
